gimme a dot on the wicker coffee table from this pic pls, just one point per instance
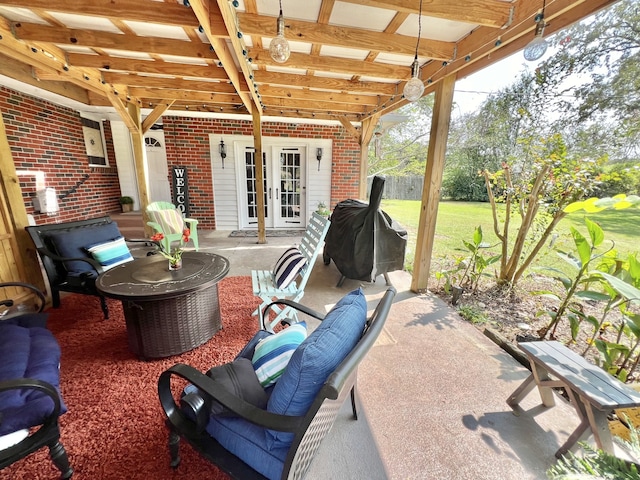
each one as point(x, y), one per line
point(167, 312)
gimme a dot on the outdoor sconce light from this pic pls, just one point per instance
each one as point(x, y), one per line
point(222, 150)
point(319, 156)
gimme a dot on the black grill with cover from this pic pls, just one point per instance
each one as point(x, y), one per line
point(363, 241)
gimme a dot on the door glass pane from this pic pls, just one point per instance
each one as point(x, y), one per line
point(290, 187)
point(250, 173)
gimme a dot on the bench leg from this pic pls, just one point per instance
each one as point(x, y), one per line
point(522, 391)
point(546, 393)
point(590, 418)
point(573, 438)
point(600, 428)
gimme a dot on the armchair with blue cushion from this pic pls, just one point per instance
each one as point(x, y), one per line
point(73, 254)
point(30, 401)
point(274, 432)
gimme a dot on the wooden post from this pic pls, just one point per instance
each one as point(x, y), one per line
point(18, 261)
point(368, 127)
point(432, 183)
point(140, 161)
point(257, 144)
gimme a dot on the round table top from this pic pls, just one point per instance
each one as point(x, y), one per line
point(149, 278)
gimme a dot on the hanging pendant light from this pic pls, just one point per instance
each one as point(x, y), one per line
point(537, 47)
point(414, 88)
point(279, 46)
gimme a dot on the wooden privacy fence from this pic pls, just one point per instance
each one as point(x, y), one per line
point(401, 188)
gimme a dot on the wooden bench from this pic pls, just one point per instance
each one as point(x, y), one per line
point(593, 392)
point(264, 284)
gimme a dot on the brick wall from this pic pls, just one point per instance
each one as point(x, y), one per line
point(47, 139)
point(187, 144)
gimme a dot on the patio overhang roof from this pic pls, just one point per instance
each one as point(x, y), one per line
point(350, 58)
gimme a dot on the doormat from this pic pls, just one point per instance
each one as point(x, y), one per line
point(270, 233)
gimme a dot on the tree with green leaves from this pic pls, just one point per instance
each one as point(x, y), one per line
point(537, 197)
point(598, 64)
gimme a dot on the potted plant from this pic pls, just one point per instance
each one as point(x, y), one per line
point(126, 203)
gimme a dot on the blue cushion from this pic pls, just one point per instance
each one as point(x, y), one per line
point(288, 267)
point(271, 355)
point(248, 442)
point(313, 361)
point(72, 243)
point(27, 353)
point(28, 320)
point(110, 253)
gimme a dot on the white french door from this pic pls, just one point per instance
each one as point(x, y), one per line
point(284, 187)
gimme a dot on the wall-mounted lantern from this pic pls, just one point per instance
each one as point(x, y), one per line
point(319, 156)
point(222, 150)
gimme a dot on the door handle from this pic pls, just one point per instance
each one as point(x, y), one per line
point(269, 193)
point(277, 196)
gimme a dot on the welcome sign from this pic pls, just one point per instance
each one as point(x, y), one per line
point(181, 189)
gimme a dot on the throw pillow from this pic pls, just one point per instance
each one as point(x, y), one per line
point(111, 253)
point(272, 353)
point(315, 359)
point(239, 378)
point(72, 243)
point(288, 267)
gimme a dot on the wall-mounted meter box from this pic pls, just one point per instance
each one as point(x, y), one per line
point(46, 201)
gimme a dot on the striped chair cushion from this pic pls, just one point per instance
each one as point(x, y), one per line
point(288, 267)
point(170, 221)
point(272, 353)
point(110, 253)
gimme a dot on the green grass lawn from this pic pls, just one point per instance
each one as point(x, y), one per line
point(457, 221)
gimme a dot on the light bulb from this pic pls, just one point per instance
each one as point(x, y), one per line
point(414, 88)
point(279, 46)
point(536, 48)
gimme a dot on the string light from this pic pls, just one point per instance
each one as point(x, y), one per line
point(414, 88)
point(279, 46)
point(537, 47)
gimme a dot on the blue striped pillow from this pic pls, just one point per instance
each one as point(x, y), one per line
point(272, 353)
point(111, 253)
point(288, 267)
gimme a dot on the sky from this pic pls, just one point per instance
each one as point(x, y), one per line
point(471, 91)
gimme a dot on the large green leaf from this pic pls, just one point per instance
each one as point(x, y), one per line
point(591, 295)
point(546, 294)
point(477, 235)
point(570, 259)
point(470, 246)
point(595, 232)
point(623, 288)
point(582, 246)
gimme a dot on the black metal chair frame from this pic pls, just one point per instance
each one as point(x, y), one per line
point(48, 434)
point(309, 429)
point(54, 264)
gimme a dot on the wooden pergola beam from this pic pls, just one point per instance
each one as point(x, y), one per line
point(155, 114)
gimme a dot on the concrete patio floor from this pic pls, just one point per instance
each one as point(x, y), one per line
point(432, 391)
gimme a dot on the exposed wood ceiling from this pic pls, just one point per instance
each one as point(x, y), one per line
point(350, 58)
